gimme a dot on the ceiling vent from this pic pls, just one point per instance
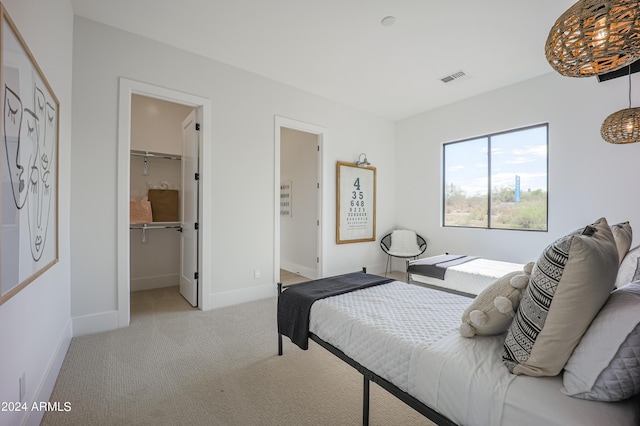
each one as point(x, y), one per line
point(456, 76)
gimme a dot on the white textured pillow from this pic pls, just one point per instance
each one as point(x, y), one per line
point(622, 235)
point(605, 366)
point(404, 243)
point(570, 283)
point(629, 268)
point(492, 311)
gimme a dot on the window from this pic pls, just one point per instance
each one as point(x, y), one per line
point(498, 181)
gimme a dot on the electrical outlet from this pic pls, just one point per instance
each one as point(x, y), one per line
point(22, 383)
point(256, 273)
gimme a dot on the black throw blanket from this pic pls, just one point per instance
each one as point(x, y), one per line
point(436, 266)
point(294, 303)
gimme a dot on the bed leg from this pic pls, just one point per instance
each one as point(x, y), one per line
point(279, 335)
point(365, 401)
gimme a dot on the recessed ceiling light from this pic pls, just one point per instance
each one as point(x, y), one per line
point(388, 21)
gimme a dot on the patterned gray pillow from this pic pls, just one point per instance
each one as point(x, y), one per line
point(621, 379)
point(605, 365)
point(569, 284)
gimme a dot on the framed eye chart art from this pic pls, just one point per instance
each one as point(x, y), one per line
point(356, 203)
point(28, 165)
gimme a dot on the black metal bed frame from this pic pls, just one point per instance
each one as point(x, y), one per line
point(369, 376)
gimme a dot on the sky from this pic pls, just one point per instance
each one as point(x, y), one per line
point(521, 152)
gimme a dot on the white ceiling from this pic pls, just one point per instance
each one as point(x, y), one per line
point(339, 49)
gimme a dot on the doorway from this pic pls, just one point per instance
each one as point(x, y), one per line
point(299, 188)
point(128, 88)
point(164, 159)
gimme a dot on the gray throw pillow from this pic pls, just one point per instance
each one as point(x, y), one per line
point(629, 268)
point(622, 235)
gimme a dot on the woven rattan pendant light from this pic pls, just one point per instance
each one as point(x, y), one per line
point(623, 126)
point(594, 37)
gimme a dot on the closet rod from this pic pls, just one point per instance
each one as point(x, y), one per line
point(145, 226)
point(148, 154)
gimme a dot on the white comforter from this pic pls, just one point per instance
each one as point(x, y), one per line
point(387, 327)
point(471, 277)
point(409, 335)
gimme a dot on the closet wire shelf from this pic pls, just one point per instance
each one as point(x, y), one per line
point(147, 155)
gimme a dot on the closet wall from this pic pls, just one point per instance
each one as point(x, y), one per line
point(299, 229)
point(156, 127)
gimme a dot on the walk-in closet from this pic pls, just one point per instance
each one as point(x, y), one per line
point(157, 188)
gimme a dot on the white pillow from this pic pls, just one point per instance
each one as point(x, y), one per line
point(629, 268)
point(605, 366)
point(492, 311)
point(404, 243)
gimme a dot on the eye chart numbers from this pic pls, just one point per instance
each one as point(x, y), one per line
point(357, 216)
point(356, 201)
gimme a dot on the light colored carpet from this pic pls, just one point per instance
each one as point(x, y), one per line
point(176, 365)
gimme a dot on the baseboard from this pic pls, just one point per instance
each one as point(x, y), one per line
point(95, 323)
point(235, 297)
point(377, 269)
point(43, 394)
point(157, 281)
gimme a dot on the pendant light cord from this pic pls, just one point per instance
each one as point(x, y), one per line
point(629, 86)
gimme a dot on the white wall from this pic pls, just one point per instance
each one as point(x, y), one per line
point(35, 326)
point(244, 107)
point(156, 125)
point(588, 178)
point(298, 232)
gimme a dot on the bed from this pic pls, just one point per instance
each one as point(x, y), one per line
point(406, 338)
point(466, 275)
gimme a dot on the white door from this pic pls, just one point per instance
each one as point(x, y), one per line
point(189, 209)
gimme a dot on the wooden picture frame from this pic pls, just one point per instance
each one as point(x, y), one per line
point(356, 203)
point(28, 165)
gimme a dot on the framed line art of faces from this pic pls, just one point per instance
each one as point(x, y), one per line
point(356, 203)
point(28, 165)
